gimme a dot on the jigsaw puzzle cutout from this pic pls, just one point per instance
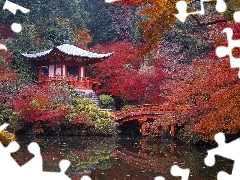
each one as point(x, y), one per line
point(223, 51)
point(16, 27)
point(227, 150)
point(33, 169)
point(110, 1)
point(182, 9)
point(177, 171)
point(12, 7)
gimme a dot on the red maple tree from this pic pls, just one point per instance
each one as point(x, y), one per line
point(127, 75)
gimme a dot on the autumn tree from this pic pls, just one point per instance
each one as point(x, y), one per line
point(159, 17)
point(205, 95)
point(126, 75)
point(45, 107)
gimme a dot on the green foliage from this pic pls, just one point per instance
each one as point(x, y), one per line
point(7, 114)
point(100, 24)
point(107, 101)
point(101, 119)
point(99, 152)
point(188, 136)
point(41, 29)
point(126, 106)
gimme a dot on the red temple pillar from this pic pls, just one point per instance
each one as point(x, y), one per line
point(173, 130)
point(143, 128)
point(97, 88)
point(173, 148)
point(143, 144)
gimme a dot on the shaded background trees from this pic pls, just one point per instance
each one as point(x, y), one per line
point(156, 60)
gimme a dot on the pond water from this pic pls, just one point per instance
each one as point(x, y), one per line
point(121, 157)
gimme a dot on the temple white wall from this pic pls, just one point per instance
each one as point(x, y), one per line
point(64, 70)
point(82, 71)
point(58, 69)
point(51, 70)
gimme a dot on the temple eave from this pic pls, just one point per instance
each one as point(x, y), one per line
point(82, 56)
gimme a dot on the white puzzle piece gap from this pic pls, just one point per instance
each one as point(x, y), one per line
point(85, 177)
point(226, 150)
point(12, 7)
point(33, 169)
point(223, 51)
point(177, 171)
point(182, 9)
point(110, 1)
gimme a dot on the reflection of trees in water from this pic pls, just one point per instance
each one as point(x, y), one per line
point(83, 152)
point(153, 147)
point(94, 155)
point(143, 153)
point(194, 158)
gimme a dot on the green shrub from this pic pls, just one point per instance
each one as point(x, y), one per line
point(107, 101)
point(101, 119)
point(7, 114)
point(188, 136)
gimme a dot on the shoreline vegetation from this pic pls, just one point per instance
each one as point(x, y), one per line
point(153, 63)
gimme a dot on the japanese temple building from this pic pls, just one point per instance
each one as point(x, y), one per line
point(68, 63)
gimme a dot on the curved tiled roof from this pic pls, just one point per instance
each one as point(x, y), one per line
point(69, 50)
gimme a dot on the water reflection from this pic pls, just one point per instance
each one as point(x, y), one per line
point(121, 157)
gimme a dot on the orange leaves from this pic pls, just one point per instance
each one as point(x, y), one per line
point(224, 114)
point(158, 15)
point(208, 92)
point(212, 91)
point(82, 37)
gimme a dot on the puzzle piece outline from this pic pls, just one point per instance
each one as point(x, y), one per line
point(177, 171)
point(226, 150)
point(223, 51)
point(30, 170)
point(181, 6)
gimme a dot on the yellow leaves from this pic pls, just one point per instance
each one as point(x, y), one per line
point(82, 37)
point(160, 15)
point(6, 137)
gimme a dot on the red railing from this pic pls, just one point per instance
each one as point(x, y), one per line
point(143, 110)
point(84, 82)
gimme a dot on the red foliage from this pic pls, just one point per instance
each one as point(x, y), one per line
point(44, 104)
point(122, 74)
point(222, 39)
point(207, 92)
point(6, 31)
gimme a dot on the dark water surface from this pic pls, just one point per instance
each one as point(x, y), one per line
point(121, 157)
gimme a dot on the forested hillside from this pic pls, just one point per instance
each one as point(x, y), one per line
point(157, 58)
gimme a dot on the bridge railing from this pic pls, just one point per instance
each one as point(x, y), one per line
point(143, 109)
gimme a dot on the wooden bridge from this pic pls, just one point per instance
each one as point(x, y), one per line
point(144, 114)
